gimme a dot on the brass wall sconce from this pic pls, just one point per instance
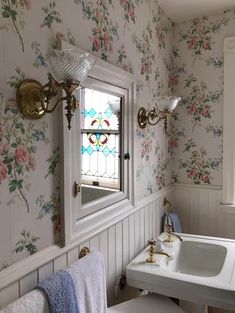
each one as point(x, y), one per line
point(69, 69)
point(163, 109)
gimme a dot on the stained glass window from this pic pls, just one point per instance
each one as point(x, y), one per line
point(100, 138)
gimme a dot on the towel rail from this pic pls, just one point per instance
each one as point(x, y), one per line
point(84, 251)
point(167, 205)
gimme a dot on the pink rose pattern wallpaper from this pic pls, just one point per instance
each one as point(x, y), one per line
point(136, 35)
point(117, 31)
point(196, 143)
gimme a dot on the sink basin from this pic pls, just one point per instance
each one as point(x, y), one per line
point(201, 270)
point(197, 258)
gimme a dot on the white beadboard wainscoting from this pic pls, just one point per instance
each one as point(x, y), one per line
point(201, 211)
point(119, 244)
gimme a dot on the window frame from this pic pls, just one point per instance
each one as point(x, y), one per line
point(120, 94)
point(228, 124)
point(116, 206)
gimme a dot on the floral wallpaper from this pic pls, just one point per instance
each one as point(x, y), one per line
point(132, 34)
point(184, 59)
point(197, 76)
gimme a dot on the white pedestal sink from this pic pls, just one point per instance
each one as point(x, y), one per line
point(201, 269)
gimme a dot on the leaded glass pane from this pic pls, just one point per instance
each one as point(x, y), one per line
point(100, 146)
point(99, 110)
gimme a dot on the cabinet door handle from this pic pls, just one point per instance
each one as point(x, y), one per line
point(127, 156)
point(76, 189)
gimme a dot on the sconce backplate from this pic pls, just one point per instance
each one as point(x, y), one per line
point(142, 117)
point(28, 98)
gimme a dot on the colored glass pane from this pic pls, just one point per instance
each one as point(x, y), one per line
point(100, 114)
point(99, 110)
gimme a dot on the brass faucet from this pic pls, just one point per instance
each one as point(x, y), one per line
point(152, 251)
point(170, 234)
point(151, 258)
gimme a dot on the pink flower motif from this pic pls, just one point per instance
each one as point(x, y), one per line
point(206, 45)
point(32, 162)
point(96, 43)
point(4, 148)
point(173, 144)
point(27, 3)
point(146, 68)
point(191, 173)
point(142, 69)
point(173, 80)
point(106, 39)
point(22, 155)
point(97, 14)
point(131, 13)
point(205, 112)
point(192, 43)
point(59, 35)
point(205, 179)
point(3, 171)
point(192, 109)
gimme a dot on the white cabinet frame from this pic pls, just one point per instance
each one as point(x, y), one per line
point(81, 229)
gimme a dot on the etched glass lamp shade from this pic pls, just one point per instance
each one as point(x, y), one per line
point(69, 65)
point(69, 68)
point(168, 104)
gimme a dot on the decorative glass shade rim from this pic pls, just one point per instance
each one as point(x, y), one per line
point(171, 100)
point(74, 59)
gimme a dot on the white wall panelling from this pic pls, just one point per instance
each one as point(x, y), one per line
point(27, 283)
point(45, 271)
point(118, 243)
point(9, 294)
point(201, 211)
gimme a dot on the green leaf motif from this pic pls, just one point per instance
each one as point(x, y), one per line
point(27, 242)
point(8, 12)
point(52, 15)
point(53, 162)
point(15, 184)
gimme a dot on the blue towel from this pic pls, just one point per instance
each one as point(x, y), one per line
point(173, 219)
point(60, 292)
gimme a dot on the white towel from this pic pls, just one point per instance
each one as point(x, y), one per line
point(88, 274)
point(33, 302)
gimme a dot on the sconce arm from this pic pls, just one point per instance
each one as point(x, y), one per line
point(47, 92)
point(45, 107)
point(157, 121)
point(145, 117)
point(151, 115)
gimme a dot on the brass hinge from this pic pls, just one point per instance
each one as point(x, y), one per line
point(76, 189)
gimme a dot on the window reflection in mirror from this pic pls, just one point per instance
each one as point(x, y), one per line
point(100, 120)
